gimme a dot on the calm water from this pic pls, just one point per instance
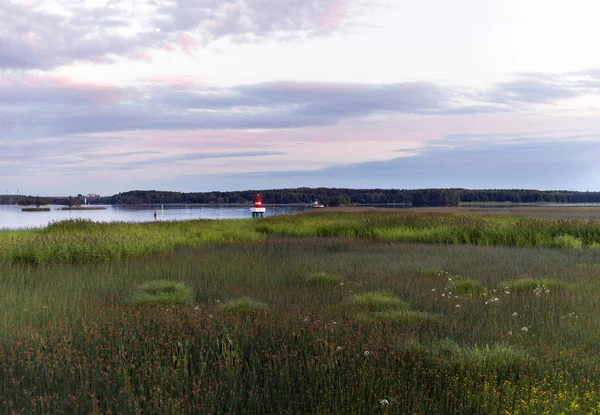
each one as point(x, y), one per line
point(11, 217)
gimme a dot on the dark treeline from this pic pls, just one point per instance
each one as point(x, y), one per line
point(326, 196)
point(338, 197)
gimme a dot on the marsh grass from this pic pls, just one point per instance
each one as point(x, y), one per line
point(402, 317)
point(82, 241)
point(497, 358)
point(528, 285)
point(70, 342)
point(323, 279)
point(568, 242)
point(466, 287)
point(588, 267)
point(162, 293)
point(244, 306)
point(379, 301)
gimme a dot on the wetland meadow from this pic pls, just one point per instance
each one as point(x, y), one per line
point(335, 312)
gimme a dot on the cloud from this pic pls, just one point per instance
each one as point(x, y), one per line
point(538, 163)
point(51, 34)
point(45, 106)
point(540, 88)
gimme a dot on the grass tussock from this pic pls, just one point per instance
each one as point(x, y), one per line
point(244, 306)
point(161, 293)
point(529, 285)
point(466, 287)
point(379, 301)
point(495, 358)
point(323, 279)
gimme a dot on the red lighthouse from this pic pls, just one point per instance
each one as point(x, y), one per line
point(258, 210)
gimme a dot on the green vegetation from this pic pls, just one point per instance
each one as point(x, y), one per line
point(379, 301)
point(244, 306)
point(80, 241)
point(36, 209)
point(468, 287)
point(529, 285)
point(163, 292)
point(395, 329)
point(337, 197)
point(323, 279)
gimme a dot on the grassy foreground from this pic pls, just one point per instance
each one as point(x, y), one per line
point(80, 241)
point(280, 324)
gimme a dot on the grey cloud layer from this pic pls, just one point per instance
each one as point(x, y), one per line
point(35, 38)
point(46, 107)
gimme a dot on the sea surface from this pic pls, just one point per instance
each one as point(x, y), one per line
point(11, 217)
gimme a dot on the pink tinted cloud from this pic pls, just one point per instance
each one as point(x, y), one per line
point(144, 55)
point(59, 85)
point(186, 42)
point(334, 16)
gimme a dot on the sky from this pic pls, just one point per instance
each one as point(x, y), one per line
point(105, 96)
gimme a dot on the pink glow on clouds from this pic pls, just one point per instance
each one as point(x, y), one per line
point(334, 16)
point(96, 93)
point(186, 42)
point(407, 133)
point(144, 55)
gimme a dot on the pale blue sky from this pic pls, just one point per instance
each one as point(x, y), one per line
point(111, 95)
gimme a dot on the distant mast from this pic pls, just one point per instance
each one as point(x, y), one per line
point(258, 210)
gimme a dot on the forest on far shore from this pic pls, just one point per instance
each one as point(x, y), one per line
point(326, 196)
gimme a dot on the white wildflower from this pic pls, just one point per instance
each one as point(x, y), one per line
point(510, 332)
point(524, 329)
point(367, 353)
point(457, 306)
point(384, 402)
point(338, 349)
point(433, 289)
point(515, 314)
point(210, 316)
point(506, 292)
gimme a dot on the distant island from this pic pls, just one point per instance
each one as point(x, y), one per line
point(326, 196)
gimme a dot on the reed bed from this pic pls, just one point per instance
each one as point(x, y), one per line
point(83, 241)
point(397, 334)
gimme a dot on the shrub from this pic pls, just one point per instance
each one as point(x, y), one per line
point(468, 287)
point(530, 284)
point(379, 301)
point(323, 279)
point(163, 292)
point(244, 306)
